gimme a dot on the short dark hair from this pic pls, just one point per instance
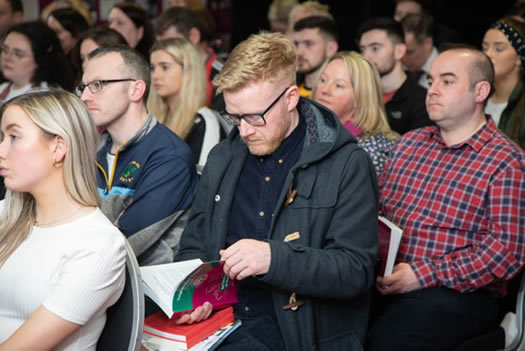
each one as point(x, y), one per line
point(182, 18)
point(71, 20)
point(140, 17)
point(134, 63)
point(52, 64)
point(326, 26)
point(206, 24)
point(16, 5)
point(421, 26)
point(102, 36)
point(393, 29)
point(426, 5)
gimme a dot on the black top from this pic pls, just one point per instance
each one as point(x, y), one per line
point(407, 109)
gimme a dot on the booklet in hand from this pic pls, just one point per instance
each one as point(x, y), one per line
point(389, 239)
point(183, 286)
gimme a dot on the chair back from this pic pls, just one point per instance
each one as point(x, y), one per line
point(125, 319)
point(494, 339)
point(517, 289)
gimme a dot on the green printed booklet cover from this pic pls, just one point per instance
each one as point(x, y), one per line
point(183, 286)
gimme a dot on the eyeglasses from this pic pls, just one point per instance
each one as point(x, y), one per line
point(19, 54)
point(97, 85)
point(254, 119)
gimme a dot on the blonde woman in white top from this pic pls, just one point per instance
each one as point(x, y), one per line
point(61, 260)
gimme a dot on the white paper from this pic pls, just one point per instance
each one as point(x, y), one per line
point(395, 239)
point(161, 281)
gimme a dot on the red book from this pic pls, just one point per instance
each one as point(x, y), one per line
point(389, 236)
point(186, 335)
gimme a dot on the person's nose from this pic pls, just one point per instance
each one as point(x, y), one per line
point(299, 50)
point(432, 89)
point(326, 89)
point(3, 148)
point(366, 54)
point(155, 74)
point(245, 128)
point(490, 53)
point(85, 95)
point(7, 56)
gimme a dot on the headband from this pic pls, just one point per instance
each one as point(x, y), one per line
point(514, 37)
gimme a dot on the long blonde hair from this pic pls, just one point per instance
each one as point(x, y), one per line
point(370, 115)
point(192, 94)
point(56, 113)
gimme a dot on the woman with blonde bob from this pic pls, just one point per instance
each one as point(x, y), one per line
point(61, 260)
point(350, 86)
point(178, 95)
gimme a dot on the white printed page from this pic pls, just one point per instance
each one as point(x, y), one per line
point(161, 281)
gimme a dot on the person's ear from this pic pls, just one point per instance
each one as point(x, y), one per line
point(140, 33)
point(137, 90)
point(481, 91)
point(292, 97)
point(194, 36)
point(400, 51)
point(429, 43)
point(331, 48)
point(59, 150)
point(18, 17)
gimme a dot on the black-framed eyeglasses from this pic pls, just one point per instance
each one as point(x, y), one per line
point(97, 85)
point(254, 119)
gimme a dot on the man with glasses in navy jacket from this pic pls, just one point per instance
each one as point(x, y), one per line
point(146, 174)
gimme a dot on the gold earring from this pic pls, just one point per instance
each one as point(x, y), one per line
point(57, 164)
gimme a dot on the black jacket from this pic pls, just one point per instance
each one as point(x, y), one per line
point(407, 110)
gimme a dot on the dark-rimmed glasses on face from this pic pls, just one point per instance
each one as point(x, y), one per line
point(97, 85)
point(254, 119)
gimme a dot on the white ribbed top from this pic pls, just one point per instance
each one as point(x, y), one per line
point(75, 270)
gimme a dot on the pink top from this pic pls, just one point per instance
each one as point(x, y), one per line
point(352, 128)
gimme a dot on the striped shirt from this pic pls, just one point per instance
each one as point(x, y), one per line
point(462, 208)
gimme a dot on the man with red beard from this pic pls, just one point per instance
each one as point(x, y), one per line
point(381, 40)
point(288, 202)
point(315, 40)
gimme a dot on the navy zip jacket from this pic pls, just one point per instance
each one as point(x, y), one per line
point(153, 181)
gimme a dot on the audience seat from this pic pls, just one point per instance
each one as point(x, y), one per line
point(495, 338)
point(125, 319)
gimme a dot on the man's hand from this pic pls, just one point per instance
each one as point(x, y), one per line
point(199, 314)
point(245, 258)
point(402, 280)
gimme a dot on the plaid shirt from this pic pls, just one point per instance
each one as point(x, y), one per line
point(461, 208)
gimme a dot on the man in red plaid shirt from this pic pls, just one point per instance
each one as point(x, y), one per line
point(458, 192)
